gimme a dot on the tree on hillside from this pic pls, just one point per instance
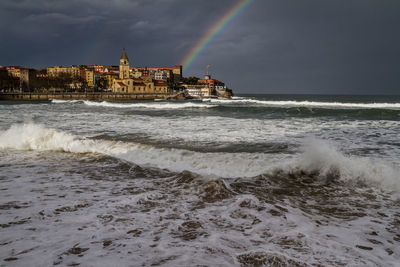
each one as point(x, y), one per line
point(190, 80)
point(8, 82)
point(101, 84)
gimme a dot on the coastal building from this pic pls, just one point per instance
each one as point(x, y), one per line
point(173, 74)
point(114, 69)
point(124, 66)
point(160, 75)
point(137, 74)
point(197, 90)
point(58, 70)
point(177, 71)
point(109, 77)
point(160, 87)
point(127, 84)
point(81, 71)
point(14, 71)
point(208, 81)
point(89, 78)
point(194, 92)
point(96, 77)
point(27, 76)
point(96, 68)
point(205, 92)
point(206, 87)
point(213, 84)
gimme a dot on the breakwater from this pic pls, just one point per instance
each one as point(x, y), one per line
point(84, 96)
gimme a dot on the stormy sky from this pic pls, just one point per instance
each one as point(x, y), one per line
point(273, 46)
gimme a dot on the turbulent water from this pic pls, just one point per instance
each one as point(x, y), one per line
point(252, 181)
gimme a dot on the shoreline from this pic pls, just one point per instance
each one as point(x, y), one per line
point(101, 96)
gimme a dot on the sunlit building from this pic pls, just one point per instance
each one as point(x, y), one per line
point(109, 77)
point(90, 78)
point(14, 71)
point(160, 75)
point(96, 68)
point(127, 84)
point(58, 70)
point(212, 83)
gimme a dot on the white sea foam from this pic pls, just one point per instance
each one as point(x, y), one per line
point(325, 159)
point(37, 137)
point(318, 157)
point(60, 101)
point(31, 136)
point(315, 104)
point(209, 103)
point(149, 105)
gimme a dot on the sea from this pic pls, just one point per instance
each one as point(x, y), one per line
point(256, 180)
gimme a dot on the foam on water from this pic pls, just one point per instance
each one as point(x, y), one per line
point(59, 101)
point(149, 105)
point(210, 103)
point(31, 136)
point(325, 159)
point(37, 137)
point(318, 157)
point(333, 105)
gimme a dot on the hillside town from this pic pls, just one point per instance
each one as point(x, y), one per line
point(122, 79)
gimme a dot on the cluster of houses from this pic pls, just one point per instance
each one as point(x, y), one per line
point(206, 87)
point(126, 79)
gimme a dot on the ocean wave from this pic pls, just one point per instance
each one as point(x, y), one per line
point(324, 159)
point(149, 105)
point(319, 157)
point(30, 136)
point(37, 137)
point(60, 101)
point(310, 104)
point(212, 103)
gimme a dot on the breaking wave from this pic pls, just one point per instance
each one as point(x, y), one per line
point(325, 160)
point(329, 105)
point(31, 136)
point(318, 157)
point(37, 137)
point(149, 105)
point(60, 101)
point(248, 102)
point(157, 104)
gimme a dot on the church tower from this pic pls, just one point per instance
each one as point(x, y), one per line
point(124, 66)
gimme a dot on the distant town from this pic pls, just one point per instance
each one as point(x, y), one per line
point(165, 82)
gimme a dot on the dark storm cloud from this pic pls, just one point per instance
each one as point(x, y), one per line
point(274, 46)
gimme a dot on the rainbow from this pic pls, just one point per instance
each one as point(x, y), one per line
point(213, 31)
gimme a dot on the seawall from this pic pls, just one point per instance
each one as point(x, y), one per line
point(82, 96)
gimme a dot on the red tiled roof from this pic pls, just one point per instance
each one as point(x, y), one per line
point(160, 84)
point(110, 73)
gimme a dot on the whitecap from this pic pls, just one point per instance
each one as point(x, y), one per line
point(149, 105)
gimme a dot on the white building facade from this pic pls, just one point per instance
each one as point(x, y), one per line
point(160, 76)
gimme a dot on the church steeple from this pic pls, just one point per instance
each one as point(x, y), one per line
point(124, 56)
point(124, 66)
